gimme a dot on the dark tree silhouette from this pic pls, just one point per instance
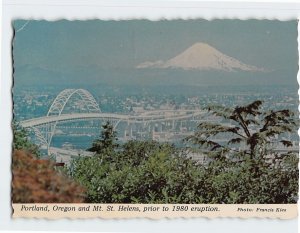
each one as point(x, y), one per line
point(247, 127)
point(107, 140)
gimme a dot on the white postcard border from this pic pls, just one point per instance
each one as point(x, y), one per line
point(53, 10)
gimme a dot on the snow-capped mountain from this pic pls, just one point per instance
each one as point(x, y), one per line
point(201, 56)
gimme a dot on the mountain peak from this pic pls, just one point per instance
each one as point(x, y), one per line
point(201, 56)
point(201, 46)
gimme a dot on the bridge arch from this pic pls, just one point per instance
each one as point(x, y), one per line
point(64, 96)
point(59, 103)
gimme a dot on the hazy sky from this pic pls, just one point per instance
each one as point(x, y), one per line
point(63, 46)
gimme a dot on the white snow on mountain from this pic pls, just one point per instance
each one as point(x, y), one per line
point(201, 56)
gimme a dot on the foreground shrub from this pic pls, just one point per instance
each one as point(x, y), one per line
point(37, 181)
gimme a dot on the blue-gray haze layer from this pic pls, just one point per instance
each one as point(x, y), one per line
point(99, 53)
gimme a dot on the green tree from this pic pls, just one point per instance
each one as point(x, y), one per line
point(21, 141)
point(153, 172)
point(245, 168)
point(107, 140)
point(245, 127)
point(142, 172)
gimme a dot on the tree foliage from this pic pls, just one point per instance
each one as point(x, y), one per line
point(246, 169)
point(153, 172)
point(246, 127)
point(107, 140)
point(37, 181)
point(21, 141)
point(141, 172)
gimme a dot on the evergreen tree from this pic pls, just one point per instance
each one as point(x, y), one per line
point(245, 168)
point(250, 132)
point(107, 140)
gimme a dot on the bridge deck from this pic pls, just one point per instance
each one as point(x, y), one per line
point(153, 116)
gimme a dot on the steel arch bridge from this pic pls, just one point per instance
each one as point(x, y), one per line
point(44, 128)
point(63, 97)
point(45, 131)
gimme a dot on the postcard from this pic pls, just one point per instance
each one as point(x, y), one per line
point(153, 119)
